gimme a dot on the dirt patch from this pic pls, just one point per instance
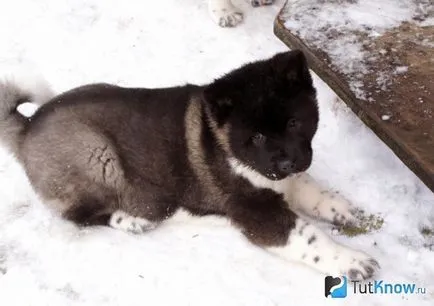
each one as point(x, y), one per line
point(367, 223)
point(401, 87)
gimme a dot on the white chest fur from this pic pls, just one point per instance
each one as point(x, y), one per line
point(256, 179)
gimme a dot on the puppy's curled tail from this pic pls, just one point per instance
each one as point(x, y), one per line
point(13, 92)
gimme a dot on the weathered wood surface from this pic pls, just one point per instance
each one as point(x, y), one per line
point(400, 112)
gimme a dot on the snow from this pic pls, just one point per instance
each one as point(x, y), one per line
point(27, 109)
point(401, 69)
point(47, 261)
point(337, 27)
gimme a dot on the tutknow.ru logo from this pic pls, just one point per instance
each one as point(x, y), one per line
point(336, 287)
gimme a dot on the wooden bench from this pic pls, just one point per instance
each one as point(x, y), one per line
point(385, 75)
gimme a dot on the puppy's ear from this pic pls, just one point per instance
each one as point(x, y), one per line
point(292, 65)
point(218, 100)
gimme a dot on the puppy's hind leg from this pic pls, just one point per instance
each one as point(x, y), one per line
point(110, 199)
point(128, 209)
point(224, 13)
point(128, 223)
point(143, 205)
point(79, 176)
point(83, 177)
point(88, 212)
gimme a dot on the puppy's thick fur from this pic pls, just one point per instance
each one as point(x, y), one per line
point(131, 157)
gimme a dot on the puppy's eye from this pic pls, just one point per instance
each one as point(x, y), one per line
point(293, 124)
point(258, 139)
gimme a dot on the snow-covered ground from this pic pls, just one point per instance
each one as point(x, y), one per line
point(47, 261)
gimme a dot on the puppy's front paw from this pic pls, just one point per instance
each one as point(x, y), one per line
point(256, 3)
point(355, 265)
point(309, 245)
point(336, 209)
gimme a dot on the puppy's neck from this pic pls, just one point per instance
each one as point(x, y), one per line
point(220, 133)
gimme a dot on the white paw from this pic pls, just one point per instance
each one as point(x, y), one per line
point(309, 245)
point(256, 3)
point(123, 221)
point(354, 264)
point(308, 196)
point(226, 15)
point(334, 208)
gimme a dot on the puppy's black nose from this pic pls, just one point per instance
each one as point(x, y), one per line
point(286, 166)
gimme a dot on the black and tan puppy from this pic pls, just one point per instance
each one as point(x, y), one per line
point(131, 157)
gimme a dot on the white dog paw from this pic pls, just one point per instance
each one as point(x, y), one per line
point(229, 19)
point(136, 225)
point(355, 265)
point(335, 209)
point(256, 3)
point(225, 14)
point(311, 246)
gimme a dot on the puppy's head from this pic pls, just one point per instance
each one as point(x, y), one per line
point(267, 113)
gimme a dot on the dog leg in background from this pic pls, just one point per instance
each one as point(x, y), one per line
point(266, 221)
point(224, 13)
point(308, 196)
point(256, 3)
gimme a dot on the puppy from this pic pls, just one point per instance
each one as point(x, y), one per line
point(225, 14)
point(237, 147)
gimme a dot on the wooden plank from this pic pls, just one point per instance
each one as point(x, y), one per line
point(402, 115)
